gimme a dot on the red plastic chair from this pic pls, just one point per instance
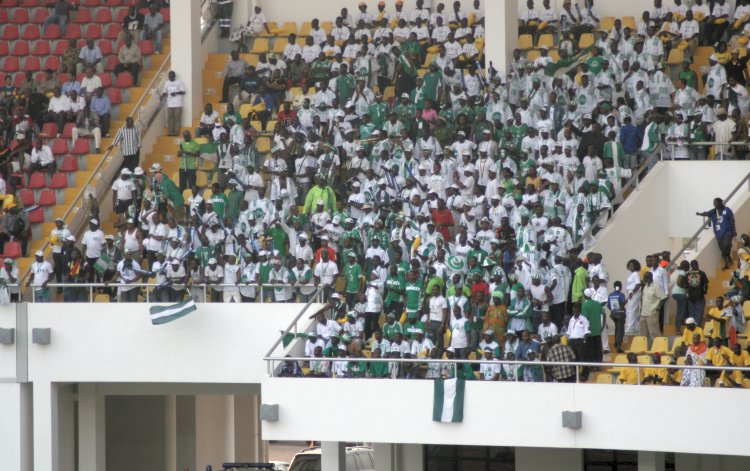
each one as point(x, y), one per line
point(105, 45)
point(115, 96)
point(81, 147)
point(35, 217)
point(11, 64)
point(58, 181)
point(165, 14)
point(12, 249)
point(60, 146)
point(32, 64)
point(60, 47)
point(41, 48)
point(18, 79)
point(49, 129)
point(51, 63)
point(113, 3)
point(110, 63)
point(82, 16)
point(113, 30)
point(106, 80)
point(68, 130)
point(73, 31)
point(29, 3)
point(26, 197)
point(69, 164)
point(47, 198)
point(147, 47)
point(52, 31)
point(3, 15)
point(40, 14)
point(31, 32)
point(103, 16)
point(4, 50)
point(20, 16)
point(37, 181)
point(10, 33)
point(123, 80)
point(91, 3)
point(20, 48)
point(93, 32)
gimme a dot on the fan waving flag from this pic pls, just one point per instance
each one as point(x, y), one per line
point(164, 314)
point(448, 404)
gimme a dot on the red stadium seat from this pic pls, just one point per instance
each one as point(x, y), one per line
point(63, 77)
point(123, 80)
point(165, 14)
point(72, 31)
point(40, 14)
point(106, 80)
point(31, 32)
point(58, 181)
point(110, 63)
point(91, 3)
point(31, 3)
point(47, 197)
point(59, 146)
point(119, 14)
point(68, 130)
point(60, 47)
point(82, 16)
point(36, 181)
point(113, 3)
point(51, 31)
point(35, 217)
point(147, 47)
point(3, 15)
point(11, 64)
point(49, 129)
point(93, 32)
point(12, 249)
point(18, 79)
point(115, 95)
point(4, 50)
point(51, 63)
point(32, 64)
point(103, 16)
point(20, 16)
point(69, 164)
point(105, 45)
point(41, 48)
point(81, 147)
point(10, 33)
point(26, 197)
point(113, 31)
point(20, 48)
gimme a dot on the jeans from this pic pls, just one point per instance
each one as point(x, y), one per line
point(619, 320)
point(695, 310)
point(41, 295)
point(61, 20)
point(681, 313)
point(129, 296)
point(187, 179)
point(158, 38)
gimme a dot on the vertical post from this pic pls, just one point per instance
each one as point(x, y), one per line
point(332, 456)
point(91, 294)
point(384, 456)
point(187, 63)
point(650, 461)
point(170, 432)
point(90, 428)
point(45, 427)
point(501, 33)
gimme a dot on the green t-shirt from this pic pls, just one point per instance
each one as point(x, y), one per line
point(264, 272)
point(353, 277)
point(189, 162)
point(378, 114)
point(592, 311)
point(233, 203)
point(389, 330)
point(345, 85)
point(279, 239)
point(432, 82)
point(413, 294)
point(203, 254)
point(220, 202)
point(393, 287)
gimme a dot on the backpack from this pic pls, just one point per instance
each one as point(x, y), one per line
point(693, 280)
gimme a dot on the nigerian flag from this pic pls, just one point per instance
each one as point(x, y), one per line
point(448, 404)
point(164, 314)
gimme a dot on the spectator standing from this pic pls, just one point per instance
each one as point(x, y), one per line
point(57, 239)
point(722, 221)
point(653, 298)
point(174, 91)
point(41, 272)
point(560, 353)
point(128, 138)
point(93, 241)
point(234, 72)
point(188, 155)
point(60, 14)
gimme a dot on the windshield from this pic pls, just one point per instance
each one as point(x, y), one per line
point(306, 463)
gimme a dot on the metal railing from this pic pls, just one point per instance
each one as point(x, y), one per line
point(721, 146)
point(149, 288)
point(576, 365)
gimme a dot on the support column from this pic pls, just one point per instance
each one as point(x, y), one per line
point(562, 459)
point(710, 462)
point(214, 423)
point(332, 456)
point(170, 432)
point(45, 427)
point(185, 29)
point(248, 443)
point(384, 456)
point(501, 33)
point(650, 461)
point(241, 12)
point(186, 438)
point(410, 457)
point(91, 431)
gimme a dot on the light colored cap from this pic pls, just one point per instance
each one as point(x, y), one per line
point(94, 221)
point(212, 261)
point(125, 171)
point(109, 237)
point(39, 253)
point(588, 292)
point(690, 321)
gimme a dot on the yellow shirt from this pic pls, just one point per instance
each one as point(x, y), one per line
point(716, 356)
point(743, 359)
point(713, 328)
point(687, 335)
point(660, 373)
point(628, 376)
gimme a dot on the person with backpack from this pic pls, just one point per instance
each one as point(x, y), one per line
point(679, 294)
point(722, 221)
point(697, 287)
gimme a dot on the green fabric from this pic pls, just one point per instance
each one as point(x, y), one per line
point(319, 193)
point(172, 192)
point(579, 283)
point(393, 283)
point(378, 114)
point(189, 162)
point(345, 85)
point(220, 202)
point(353, 277)
point(279, 239)
point(234, 200)
point(432, 83)
point(413, 295)
point(592, 311)
point(390, 330)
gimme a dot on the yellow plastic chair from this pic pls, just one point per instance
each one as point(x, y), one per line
point(525, 42)
point(639, 345)
point(629, 22)
point(587, 40)
point(305, 29)
point(604, 378)
point(263, 145)
point(533, 55)
point(676, 56)
point(260, 45)
point(660, 345)
point(546, 40)
point(607, 23)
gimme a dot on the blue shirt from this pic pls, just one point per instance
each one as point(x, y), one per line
point(90, 56)
point(630, 137)
point(616, 301)
point(101, 105)
point(722, 221)
point(68, 87)
point(523, 349)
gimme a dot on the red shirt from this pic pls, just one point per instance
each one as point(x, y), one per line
point(331, 254)
point(287, 117)
point(443, 219)
point(480, 286)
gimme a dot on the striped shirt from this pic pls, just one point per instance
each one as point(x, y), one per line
point(129, 140)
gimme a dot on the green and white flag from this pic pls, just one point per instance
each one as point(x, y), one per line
point(448, 404)
point(164, 314)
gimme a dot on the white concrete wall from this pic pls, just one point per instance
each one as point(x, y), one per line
point(621, 417)
point(15, 430)
point(8, 352)
point(218, 343)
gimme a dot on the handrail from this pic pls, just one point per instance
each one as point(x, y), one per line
point(630, 184)
point(704, 225)
point(544, 363)
point(293, 325)
point(705, 144)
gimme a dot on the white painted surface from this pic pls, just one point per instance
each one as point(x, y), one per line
point(15, 439)
point(218, 343)
point(501, 34)
point(8, 352)
point(620, 417)
point(187, 61)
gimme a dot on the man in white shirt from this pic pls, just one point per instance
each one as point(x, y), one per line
point(57, 110)
point(40, 273)
point(92, 241)
point(123, 190)
point(326, 271)
point(128, 272)
point(42, 158)
point(173, 91)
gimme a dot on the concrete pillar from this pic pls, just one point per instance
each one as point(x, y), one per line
point(15, 426)
point(332, 456)
point(185, 30)
point(91, 431)
point(185, 450)
point(410, 457)
point(46, 456)
point(170, 432)
point(214, 423)
point(66, 427)
point(248, 443)
point(241, 12)
point(686, 462)
point(501, 33)
point(384, 456)
point(650, 461)
point(562, 459)
point(710, 462)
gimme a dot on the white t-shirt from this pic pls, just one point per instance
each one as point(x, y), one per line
point(173, 87)
point(42, 271)
point(458, 333)
point(437, 306)
point(124, 189)
point(326, 271)
point(93, 240)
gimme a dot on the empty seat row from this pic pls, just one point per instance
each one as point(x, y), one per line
point(45, 47)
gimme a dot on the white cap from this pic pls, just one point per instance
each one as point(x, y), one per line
point(138, 171)
point(588, 292)
point(690, 321)
point(94, 221)
point(212, 260)
point(39, 253)
point(125, 171)
point(469, 168)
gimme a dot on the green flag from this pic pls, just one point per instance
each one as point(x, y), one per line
point(448, 404)
point(164, 314)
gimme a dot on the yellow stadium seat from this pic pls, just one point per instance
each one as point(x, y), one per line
point(666, 359)
point(620, 358)
point(681, 360)
point(278, 45)
point(587, 40)
point(473, 356)
point(187, 193)
point(644, 360)
point(326, 26)
point(257, 125)
point(604, 378)
point(554, 55)
point(260, 45)
point(607, 23)
point(290, 27)
point(272, 26)
point(676, 56)
point(660, 345)
point(676, 346)
point(263, 145)
point(629, 22)
point(546, 40)
point(389, 92)
point(533, 55)
point(101, 298)
point(639, 345)
point(525, 42)
point(305, 29)
point(295, 91)
point(201, 179)
point(270, 125)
